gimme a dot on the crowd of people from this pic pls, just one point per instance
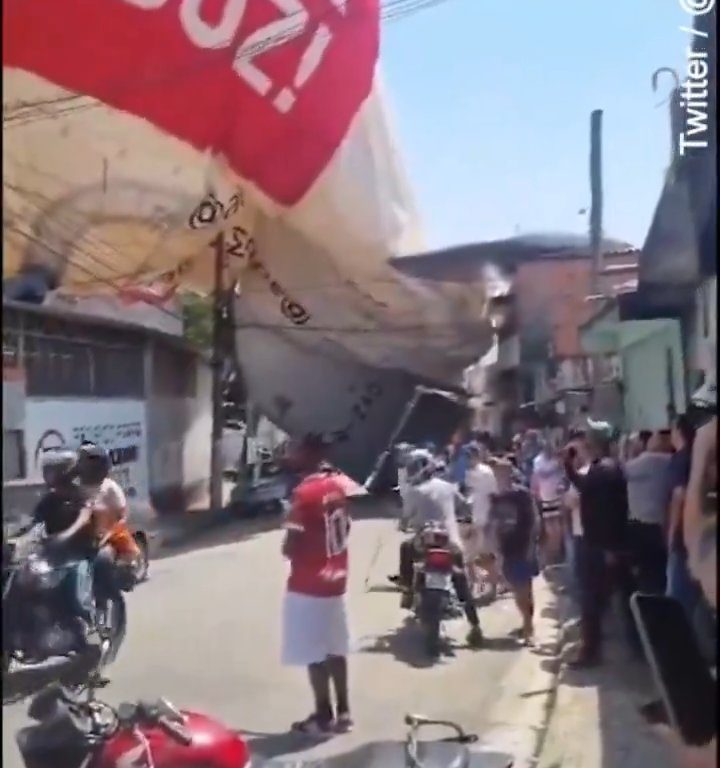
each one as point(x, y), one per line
point(621, 513)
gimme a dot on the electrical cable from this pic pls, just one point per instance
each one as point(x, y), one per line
point(113, 282)
point(387, 331)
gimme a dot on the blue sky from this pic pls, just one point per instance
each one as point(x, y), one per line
point(492, 98)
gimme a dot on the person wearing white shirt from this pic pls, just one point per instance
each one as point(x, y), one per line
point(571, 502)
point(546, 486)
point(481, 486)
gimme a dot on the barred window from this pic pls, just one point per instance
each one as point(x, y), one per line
point(174, 373)
point(57, 367)
point(119, 372)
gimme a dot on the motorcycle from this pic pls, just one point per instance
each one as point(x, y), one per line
point(38, 623)
point(434, 598)
point(72, 730)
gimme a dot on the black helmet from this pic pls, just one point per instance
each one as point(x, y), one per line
point(93, 463)
point(59, 467)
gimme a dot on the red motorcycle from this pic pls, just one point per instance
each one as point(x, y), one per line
point(79, 731)
point(72, 731)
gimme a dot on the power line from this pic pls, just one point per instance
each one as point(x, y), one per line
point(355, 330)
point(22, 114)
point(134, 276)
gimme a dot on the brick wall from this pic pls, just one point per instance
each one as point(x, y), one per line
point(551, 297)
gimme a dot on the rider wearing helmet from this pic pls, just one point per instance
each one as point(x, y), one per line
point(68, 531)
point(432, 499)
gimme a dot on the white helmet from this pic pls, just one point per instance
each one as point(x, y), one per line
point(402, 453)
point(420, 465)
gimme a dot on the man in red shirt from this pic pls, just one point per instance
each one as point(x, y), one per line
point(315, 627)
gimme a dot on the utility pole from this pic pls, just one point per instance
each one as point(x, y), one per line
point(596, 196)
point(216, 468)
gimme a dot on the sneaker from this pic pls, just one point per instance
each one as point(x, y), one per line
point(344, 723)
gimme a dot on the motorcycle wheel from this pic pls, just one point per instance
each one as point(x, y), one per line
point(112, 628)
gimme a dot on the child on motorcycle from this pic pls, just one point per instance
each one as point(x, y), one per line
point(108, 506)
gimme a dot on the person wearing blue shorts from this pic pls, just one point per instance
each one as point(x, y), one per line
point(516, 522)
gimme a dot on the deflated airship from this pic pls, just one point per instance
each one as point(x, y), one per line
point(145, 138)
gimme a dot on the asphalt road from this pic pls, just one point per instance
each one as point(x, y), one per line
point(205, 633)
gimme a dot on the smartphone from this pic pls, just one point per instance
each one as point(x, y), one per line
point(683, 678)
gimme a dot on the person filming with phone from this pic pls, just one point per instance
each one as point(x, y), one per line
point(687, 686)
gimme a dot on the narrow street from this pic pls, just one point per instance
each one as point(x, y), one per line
point(204, 632)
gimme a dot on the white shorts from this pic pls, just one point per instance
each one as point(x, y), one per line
point(313, 629)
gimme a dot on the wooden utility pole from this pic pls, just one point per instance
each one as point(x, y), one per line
point(596, 196)
point(216, 464)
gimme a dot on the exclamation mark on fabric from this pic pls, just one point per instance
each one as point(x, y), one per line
point(309, 62)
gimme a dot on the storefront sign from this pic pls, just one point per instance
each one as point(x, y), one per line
point(117, 425)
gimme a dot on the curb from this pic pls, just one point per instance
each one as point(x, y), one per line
point(520, 720)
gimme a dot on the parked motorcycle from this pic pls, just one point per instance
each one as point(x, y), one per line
point(434, 598)
point(77, 730)
point(38, 623)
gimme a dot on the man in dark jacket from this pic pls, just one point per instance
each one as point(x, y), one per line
point(604, 516)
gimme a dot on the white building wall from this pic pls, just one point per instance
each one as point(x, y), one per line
point(117, 424)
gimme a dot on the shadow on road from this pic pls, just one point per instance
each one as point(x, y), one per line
point(23, 683)
point(218, 532)
point(405, 643)
point(206, 530)
point(384, 589)
point(500, 644)
point(270, 745)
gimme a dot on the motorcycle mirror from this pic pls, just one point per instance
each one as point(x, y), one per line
point(126, 712)
point(415, 720)
point(44, 702)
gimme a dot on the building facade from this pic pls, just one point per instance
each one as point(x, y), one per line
point(141, 393)
point(540, 373)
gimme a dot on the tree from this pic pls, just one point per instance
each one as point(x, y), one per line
point(197, 312)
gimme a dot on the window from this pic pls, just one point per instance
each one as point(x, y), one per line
point(13, 458)
point(66, 358)
point(119, 372)
point(174, 373)
point(57, 367)
point(60, 367)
